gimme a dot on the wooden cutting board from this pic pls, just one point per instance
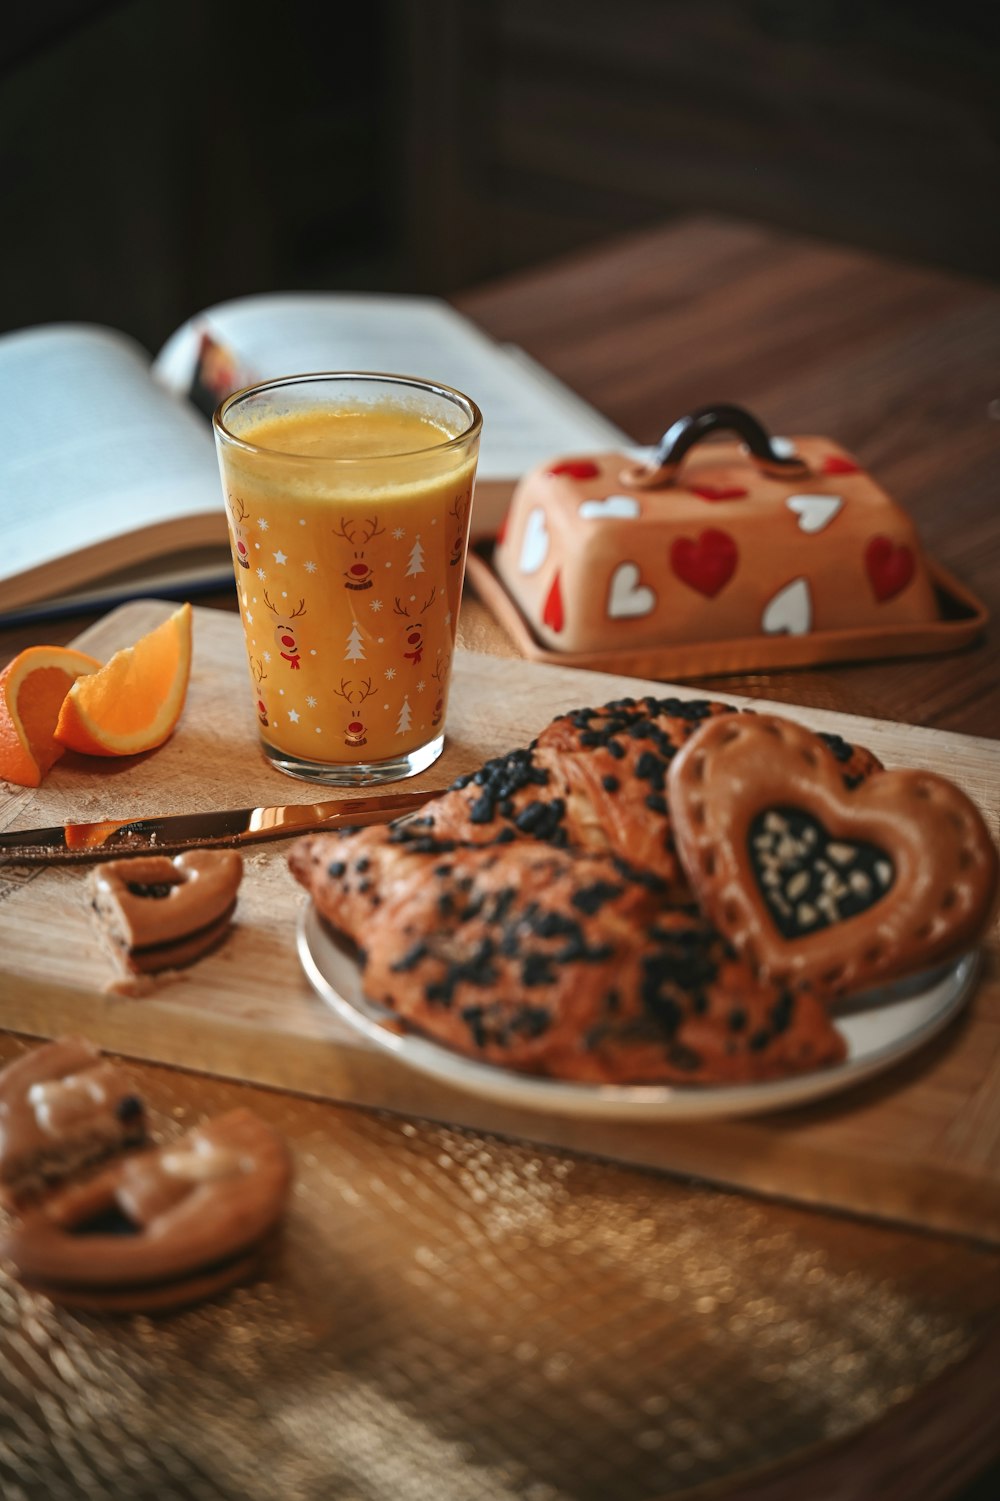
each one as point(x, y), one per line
point(920, 1145)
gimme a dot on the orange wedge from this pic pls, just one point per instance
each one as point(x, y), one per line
point(135, 701)
point(32, 689)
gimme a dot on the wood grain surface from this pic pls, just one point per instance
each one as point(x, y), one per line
point(896, 361)
point(920, 1145)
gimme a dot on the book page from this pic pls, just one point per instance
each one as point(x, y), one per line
point(528, 415)
point(93, 450)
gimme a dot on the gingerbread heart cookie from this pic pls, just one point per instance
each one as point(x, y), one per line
point(816, 883)
point(160, 1229)
point(156, 913)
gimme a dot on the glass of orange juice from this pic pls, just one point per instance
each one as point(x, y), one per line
point(348, 498)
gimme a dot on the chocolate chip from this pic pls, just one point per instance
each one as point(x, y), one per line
point(841, 750)
point(110, 1221)
point(411, 958)
point(128, 1108)
point(591, 899)
point(537, 969)
point(531, 816)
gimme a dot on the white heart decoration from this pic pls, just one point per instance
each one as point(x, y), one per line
point(613, 505)
point(627, 597)
point(814, 511)
point(790, 611)
point(535, 543)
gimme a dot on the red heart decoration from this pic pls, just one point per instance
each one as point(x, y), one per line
point(706, 565)
point(834, 464)
point(553, 615)
point(719, 492)
point(890, 568)
point(577, 468)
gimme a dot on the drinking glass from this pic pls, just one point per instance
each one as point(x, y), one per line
point(348, 496)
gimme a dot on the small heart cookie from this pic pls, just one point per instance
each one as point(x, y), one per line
point(818, 884)
point(157, 913)
point(162, 1228)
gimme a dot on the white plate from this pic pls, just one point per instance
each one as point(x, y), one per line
point(879, 1028)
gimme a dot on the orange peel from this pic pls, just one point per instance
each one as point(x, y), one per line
point(32, 690)
point(134, 702)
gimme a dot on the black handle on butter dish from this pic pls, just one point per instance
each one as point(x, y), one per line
point(682, 436)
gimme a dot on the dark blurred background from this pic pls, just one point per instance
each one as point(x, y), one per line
point(159, 155)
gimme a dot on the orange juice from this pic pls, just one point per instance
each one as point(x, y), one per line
point(349, 525)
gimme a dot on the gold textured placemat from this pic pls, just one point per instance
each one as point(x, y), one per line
point(452, 1317)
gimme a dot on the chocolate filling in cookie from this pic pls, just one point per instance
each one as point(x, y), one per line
point(809, 879)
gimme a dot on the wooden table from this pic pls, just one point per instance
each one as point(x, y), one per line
point(898, 363)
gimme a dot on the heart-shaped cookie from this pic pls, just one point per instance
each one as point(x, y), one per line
point(158, 913)
point(814, 883)
point(162, 1228)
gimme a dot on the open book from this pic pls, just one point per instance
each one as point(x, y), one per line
point(109, 486)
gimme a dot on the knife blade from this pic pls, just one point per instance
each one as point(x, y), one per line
point(221, 828)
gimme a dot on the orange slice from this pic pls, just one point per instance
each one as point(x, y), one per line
point(32, 689)
point(135, 701)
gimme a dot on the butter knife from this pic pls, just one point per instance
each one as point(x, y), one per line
point(180, 831)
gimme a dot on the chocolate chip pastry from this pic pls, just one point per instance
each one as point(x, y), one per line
point(596, 780)
point(554, 961)
point(62, 1106)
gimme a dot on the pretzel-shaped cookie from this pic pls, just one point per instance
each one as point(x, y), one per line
point(161, 1227)
point(814, 883)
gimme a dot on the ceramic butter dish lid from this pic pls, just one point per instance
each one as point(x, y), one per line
point(749, 535)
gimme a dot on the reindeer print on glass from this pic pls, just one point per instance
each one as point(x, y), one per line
point(349, 526)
